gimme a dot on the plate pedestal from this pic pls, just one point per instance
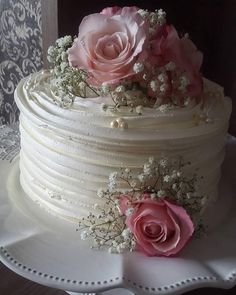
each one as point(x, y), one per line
point(48, 250)
point(111, 292)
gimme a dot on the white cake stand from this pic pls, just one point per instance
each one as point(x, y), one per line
point(48, 250)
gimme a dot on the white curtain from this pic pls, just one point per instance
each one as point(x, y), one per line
point(20, 50)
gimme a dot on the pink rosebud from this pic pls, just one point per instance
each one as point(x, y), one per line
point(160, 227)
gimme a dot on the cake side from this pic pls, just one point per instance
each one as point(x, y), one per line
point(68, 154)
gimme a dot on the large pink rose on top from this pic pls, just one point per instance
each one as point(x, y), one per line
point(109, 45)
point(166, 46)
point(160, 227)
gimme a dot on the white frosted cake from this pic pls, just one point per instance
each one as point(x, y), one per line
point(143, 139)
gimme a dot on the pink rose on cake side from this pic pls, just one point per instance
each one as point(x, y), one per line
point(109, 44)
point(160, 227)
point(166, 46)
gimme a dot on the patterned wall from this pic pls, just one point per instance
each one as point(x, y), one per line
point(20, 50)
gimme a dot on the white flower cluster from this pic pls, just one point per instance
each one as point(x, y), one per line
point(57, 54)
point(107, 228)
point(69, 81)
point(159, 179)
point(158, 17)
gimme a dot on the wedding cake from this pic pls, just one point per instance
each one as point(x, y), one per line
point(124, 136)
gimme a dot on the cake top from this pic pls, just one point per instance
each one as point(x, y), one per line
point(132, 58)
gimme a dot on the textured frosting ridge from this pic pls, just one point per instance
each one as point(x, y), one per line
point(68, 154)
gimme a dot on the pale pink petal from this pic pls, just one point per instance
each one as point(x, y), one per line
point(77, 56)
point(111, 10)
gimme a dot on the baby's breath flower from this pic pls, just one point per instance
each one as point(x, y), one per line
point(170, 66)
point(64, 56)
point(133, 183)
point(167, 178)
point(153, 196)
point(174, 174)
point(138, 67)
point(63, 66)
point(129, 211)
point(147, 168)
point(179, 173)
point(127, 233)
point(144, 76)
point(141, 177)
point(105, 88)
point(153, 18)
point(163, 87)
point(119, 249)
point(84, 235)
point(184, 82)
point(127, 170)
point(162, 77)
point(175, 186)
point(161, 16)
point(161, 193)
point(100, 193)
point(151, 160)
point(51, 50)
point(64, 41)
point(120, 88)
point(82, 85)
point(154, 84)
point(144, 13)
point(163, 162)
point(113, 176)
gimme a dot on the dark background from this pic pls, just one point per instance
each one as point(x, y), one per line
point(211, 25)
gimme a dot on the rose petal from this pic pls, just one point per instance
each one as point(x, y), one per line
point(111, 10)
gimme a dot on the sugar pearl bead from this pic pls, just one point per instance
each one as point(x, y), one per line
point(119, 120)
point(123, 125)
point(114, 124)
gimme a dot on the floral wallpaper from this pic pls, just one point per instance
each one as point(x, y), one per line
point(20, 50)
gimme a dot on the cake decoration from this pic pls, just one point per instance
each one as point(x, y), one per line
point(127, 89)
point(131, 56)
point(157, 215)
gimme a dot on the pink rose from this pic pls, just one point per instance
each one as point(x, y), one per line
point(110, 44)
point(160, 227)
point(166, 46)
